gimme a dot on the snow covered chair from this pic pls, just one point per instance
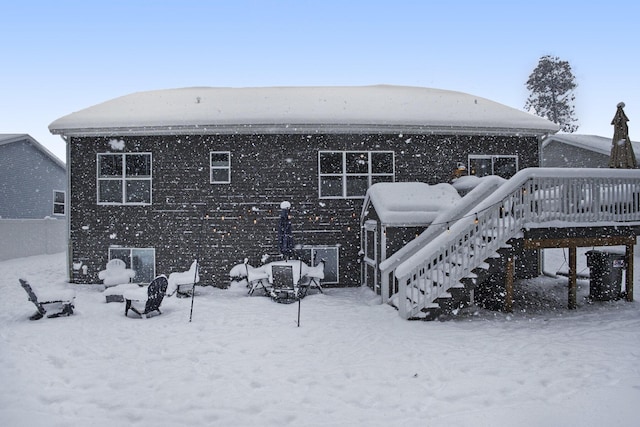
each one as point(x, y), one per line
point(116, 273)
point(239, 272)
point(182, 283)
point(283, 289)
point(312, 277)
point(147, 299)
point(62, 298)
point(258, 278)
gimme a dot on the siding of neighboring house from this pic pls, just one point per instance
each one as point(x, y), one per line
point(578, 151)
point(29, 175)
point(242, 216)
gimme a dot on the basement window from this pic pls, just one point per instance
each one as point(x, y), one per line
point(312, 255)
point(142, 260)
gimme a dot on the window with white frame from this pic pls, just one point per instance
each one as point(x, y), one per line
point(348, 174)
point(58, 202)
point(141, 260)
point(124, 179)
point(504, 166)
point(220, 167)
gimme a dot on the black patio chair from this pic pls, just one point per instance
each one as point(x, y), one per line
point(283, 289)
point(154, 295)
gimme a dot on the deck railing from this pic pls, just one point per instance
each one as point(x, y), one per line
point(558, 197)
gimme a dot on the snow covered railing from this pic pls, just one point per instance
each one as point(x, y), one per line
point(532, 196)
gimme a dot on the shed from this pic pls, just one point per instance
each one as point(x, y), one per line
point(393, 214)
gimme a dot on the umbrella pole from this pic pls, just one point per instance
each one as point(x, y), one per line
point(299, 300)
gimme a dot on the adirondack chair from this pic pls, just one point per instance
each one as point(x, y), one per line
point(147, 299)
point(116, 273)
point(63, 299)
point(283, 289)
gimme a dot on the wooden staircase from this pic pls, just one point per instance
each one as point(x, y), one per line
point(466, 261)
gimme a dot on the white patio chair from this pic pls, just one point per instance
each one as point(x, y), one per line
point(116, 273)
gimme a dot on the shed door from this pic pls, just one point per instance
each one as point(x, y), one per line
point(370, 261)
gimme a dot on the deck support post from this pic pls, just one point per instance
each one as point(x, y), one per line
point(629, 273)
point(572, 278)
point(508, 299)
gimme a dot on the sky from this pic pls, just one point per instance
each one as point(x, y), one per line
point(63, 56)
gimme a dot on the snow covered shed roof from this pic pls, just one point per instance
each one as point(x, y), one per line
point(409, 203)
point(336, 109)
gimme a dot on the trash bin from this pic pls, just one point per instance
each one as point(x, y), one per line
point(605, 275)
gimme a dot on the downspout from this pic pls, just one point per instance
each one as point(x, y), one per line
point(68, 210)
point(540, 256)
point(384, 286)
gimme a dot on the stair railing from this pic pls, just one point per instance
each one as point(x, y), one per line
point(564, 197)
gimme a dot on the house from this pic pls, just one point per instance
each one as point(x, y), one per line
point(32, 180)
point(578, 151)
point(161, 178)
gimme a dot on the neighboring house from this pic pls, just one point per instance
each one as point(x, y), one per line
point(162, 177)
point(579, 151)
point(33, 181)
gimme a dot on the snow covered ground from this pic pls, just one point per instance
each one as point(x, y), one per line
point(243, 361)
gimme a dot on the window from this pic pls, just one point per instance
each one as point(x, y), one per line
point(143, 261)
point(504, 166)
point(124, 179)
point(220, 167)
point(312, 255)
point(348, 174)
point(58, 202)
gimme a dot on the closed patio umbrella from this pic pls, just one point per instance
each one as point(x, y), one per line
point(622, 156)
point(285, 235)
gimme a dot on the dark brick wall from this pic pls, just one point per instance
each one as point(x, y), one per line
point(241, 217)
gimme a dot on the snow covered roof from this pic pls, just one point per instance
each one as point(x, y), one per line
point(9, 138)
point(597, 144)
point(350, 109)
point(409, 203)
